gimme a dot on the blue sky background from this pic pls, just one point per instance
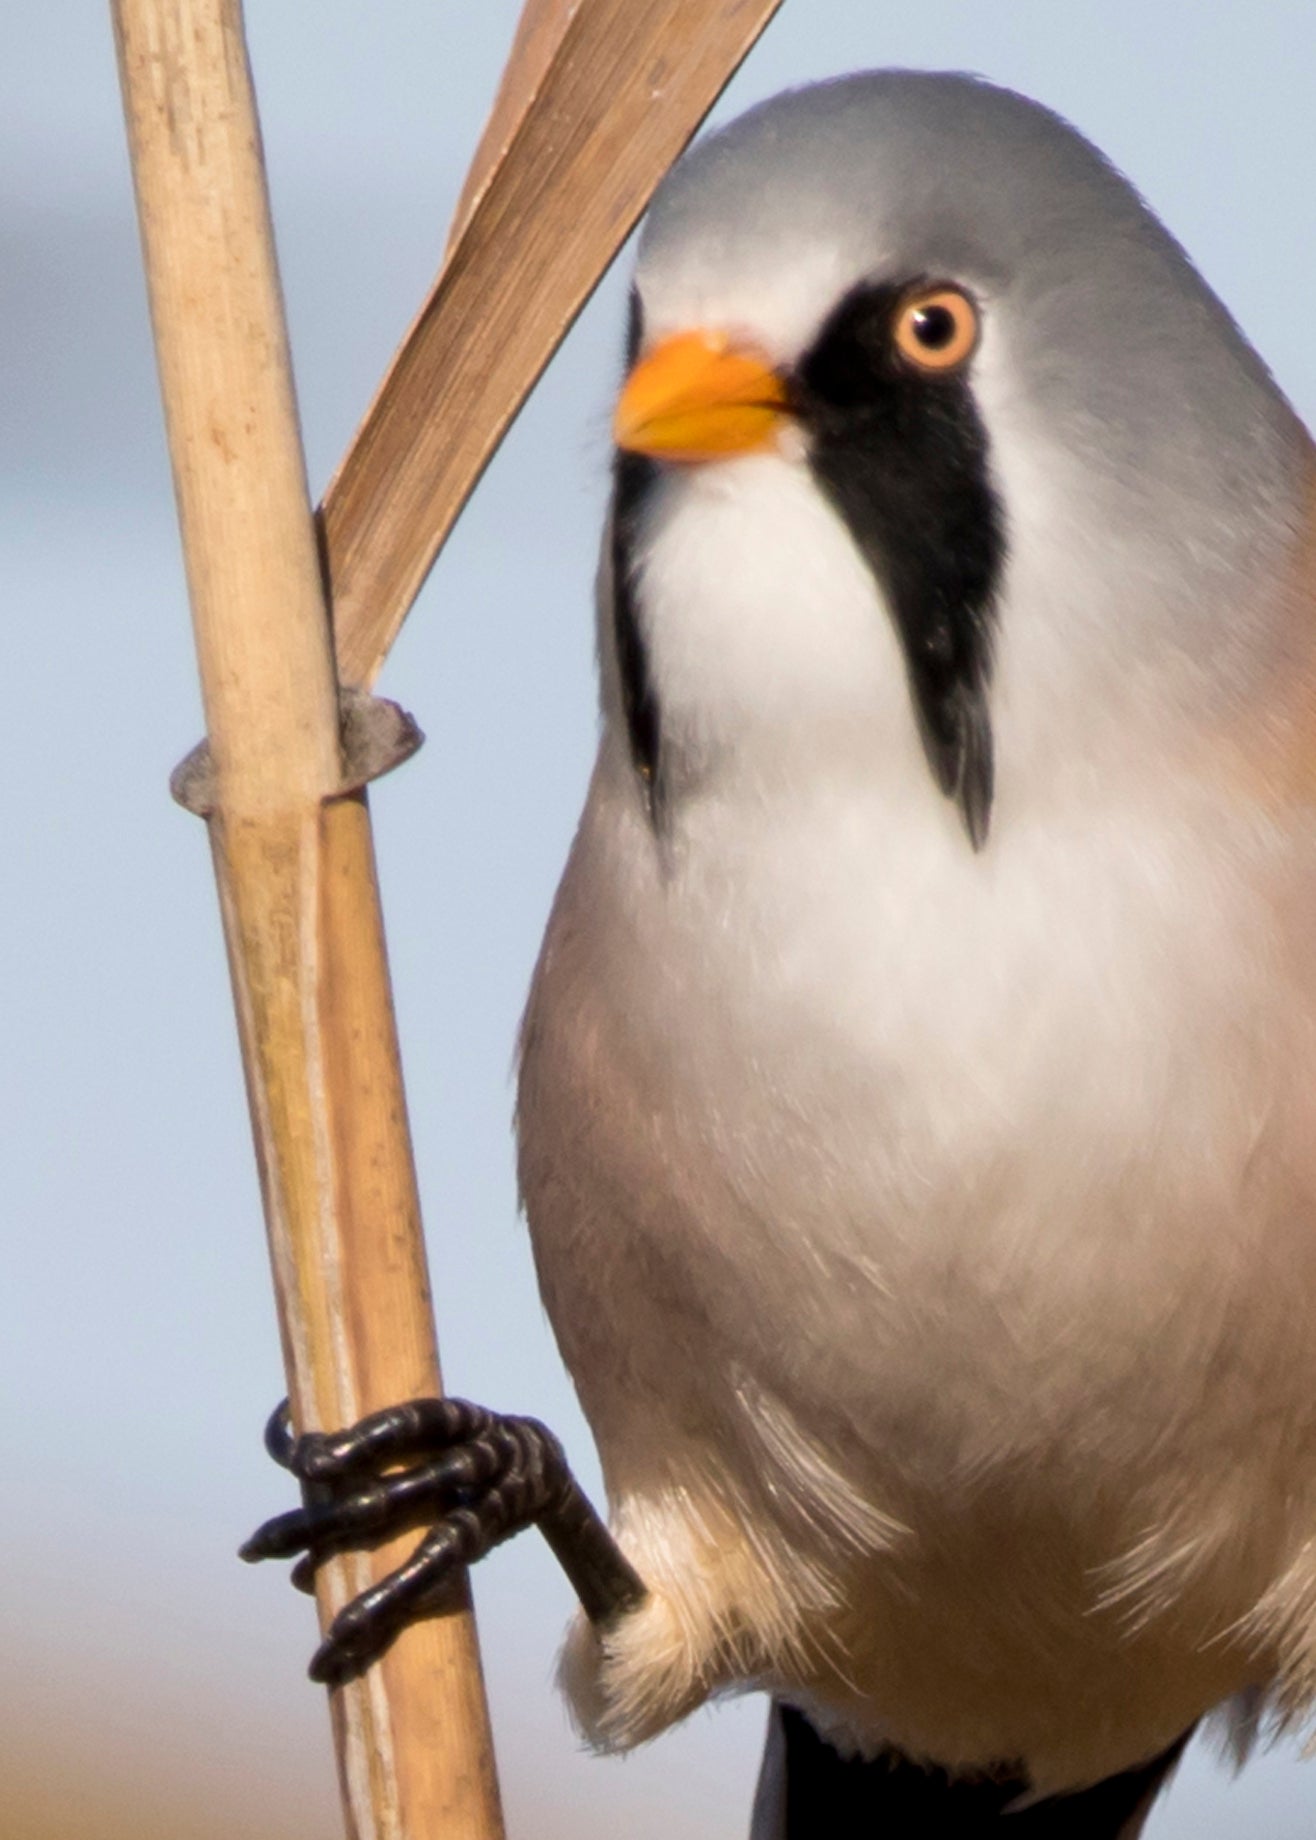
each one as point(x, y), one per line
point(148, 1682)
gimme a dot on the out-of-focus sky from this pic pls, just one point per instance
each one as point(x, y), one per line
point(149, 1684)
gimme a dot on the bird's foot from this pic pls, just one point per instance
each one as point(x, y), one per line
point(472, 1476)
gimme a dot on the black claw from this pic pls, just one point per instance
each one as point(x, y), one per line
point(302, 1575)
point(363, 1629)
point(277, 1538)
point(474, 1477)
point(327, 1668)
point(279, 1439)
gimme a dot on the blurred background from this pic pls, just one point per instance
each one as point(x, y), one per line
point(149, 1684)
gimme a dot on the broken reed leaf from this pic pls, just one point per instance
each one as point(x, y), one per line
point(600, 98)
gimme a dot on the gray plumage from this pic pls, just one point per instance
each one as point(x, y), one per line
point(929, 1233)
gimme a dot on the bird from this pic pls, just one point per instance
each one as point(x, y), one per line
point(916, 1123)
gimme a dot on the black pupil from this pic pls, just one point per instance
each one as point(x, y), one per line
point(934, 327)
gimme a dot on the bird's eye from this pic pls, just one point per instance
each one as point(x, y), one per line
point(937, 328)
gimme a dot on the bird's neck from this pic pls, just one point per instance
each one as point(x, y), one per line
point(771, 657)
point(774, 665)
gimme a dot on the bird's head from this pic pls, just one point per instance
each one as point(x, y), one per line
point(936, 458)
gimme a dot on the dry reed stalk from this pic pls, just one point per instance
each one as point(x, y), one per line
point(598, 97)
point(296, 878)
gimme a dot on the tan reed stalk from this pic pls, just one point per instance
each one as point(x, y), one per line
point(598, 97)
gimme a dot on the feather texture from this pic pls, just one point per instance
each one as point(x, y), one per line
point(930, 1233)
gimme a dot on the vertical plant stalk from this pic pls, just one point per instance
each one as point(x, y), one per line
point(295, 868)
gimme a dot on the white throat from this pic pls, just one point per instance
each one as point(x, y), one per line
point(770, 647)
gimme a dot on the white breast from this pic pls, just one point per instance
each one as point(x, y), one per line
point(917, 1223)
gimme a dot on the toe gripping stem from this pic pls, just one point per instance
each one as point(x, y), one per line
point(474, 1477)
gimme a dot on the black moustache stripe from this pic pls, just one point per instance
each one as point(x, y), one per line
point(902, 455)
point(633, 477)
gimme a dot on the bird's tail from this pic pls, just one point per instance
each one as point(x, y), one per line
point(808, 1790)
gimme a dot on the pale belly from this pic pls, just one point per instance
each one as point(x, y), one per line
point(942, 1298)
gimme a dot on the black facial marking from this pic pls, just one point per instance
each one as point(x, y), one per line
point(902, 455)
point(633, 476)
point(634, 327)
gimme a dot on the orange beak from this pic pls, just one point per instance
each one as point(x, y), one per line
point(697, 397)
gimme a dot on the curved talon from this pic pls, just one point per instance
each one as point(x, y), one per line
point(277, 1538)
point(478, 1476)
point(302, 1575)
point(363, 1629)
point(349, 1651)
point(279, 1439)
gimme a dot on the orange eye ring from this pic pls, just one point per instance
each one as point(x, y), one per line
point(937, 329)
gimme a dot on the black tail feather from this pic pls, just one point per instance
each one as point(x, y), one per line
point(809, 1792)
